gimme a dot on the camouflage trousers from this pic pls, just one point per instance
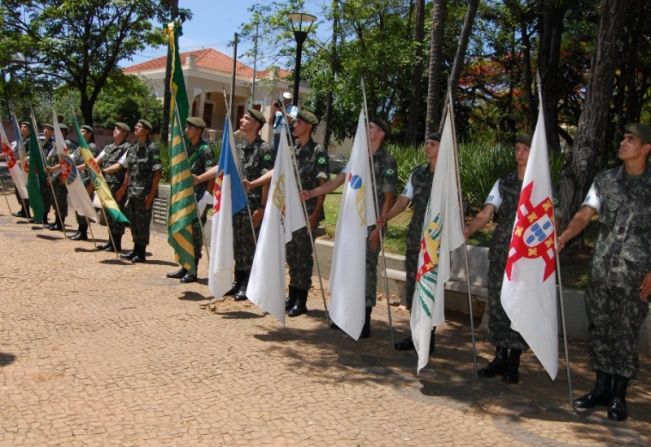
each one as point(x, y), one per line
point(24, 203)
point(61, 196)
point(46, 196)
point(299, 260)
point(140, 219)
point(371, 271)
point(116, 229)
point(197, 234)
point(615, 315)
point(499, 324)
point(411, 267)
point(243, 241)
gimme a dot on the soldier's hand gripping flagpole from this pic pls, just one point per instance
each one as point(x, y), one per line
point(304, 207)
point(376, 203)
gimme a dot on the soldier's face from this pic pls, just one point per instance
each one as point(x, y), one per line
point(47, 132)
point(24, 130)
point(119, 134)
point(248, 124)
point(301, 128)
point(85, 134)
point(521, 154)
point(140, 131)
point(432, 149)
point(375, 132)
point(633, 148)
point(192, 132)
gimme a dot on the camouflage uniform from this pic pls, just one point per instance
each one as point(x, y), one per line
point(85, 179)
point(58, 183)
point(386, 176)
point(255, 159)
point(313, 164)
point(421, 183)
point(18, 147)
point(201, 159)
point(111, 155)
point(141, 160)
point(621, 259)
point(46, 191)
point(499, 325)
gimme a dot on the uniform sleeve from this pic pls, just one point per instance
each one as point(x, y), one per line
point(155, 155)
point(390, 176)
point(593, 199)
point(101, 155)
point(408, 191)
point(123, 160)
point(209, 157)
point(322, 164)
point(346, 169)
point(494, 197)
point(266, 158)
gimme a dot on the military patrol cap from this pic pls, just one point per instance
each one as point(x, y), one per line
point(642, 131)
point(382, 125)
point(63, 127)
point(48, 125)
point(123, 126)
point(257, 115)
point(523, 138)
point(197, 122)
point(88, 128)
point(435, 136)
point(145, 123)
point(25, 123)
point(308, 117)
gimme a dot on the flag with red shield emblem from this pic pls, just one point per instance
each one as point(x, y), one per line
point(529, 287)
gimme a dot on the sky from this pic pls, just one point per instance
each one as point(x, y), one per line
point(213, 25)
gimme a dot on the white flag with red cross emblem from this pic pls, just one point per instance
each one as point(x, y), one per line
point(529, 286)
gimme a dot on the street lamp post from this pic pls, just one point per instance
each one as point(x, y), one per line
point(301, 24)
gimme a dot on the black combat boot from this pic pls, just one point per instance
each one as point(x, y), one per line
point(130, 255)
point(177, 274)
point(600, 394)
point(300, 303)
point(80, 235)
point(366, 330)
point(239, 275)
point(617, 408)
point(406, 344)
point(290, 301)
point(497, 365)
point(189, 276)
point(240, 295)
point(140, 254)
point(511, 374)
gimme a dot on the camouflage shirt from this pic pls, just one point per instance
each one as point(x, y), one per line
point(111, 155)
point(141, 160)
point(386, 175)
point(623, 248)
point(53, 158)
point(509, 190)
point(255, 159)
point(418, 190)
point(200, 158)
point(313, 164)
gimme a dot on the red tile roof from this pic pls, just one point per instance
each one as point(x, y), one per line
point(209, 59)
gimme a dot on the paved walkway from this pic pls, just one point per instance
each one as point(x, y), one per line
point(99, 352)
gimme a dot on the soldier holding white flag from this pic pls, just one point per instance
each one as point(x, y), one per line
point(502, 202)
point(617, 300)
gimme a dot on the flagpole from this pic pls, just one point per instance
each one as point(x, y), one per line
point(376, 203)
point(239, 170)
point(4, 193)
point(304, 208)
point(40, 148)
point(450, 107)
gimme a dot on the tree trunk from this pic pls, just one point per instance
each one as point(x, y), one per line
point(413, 112)
point(86, 105)
point(334, 68)
point(516, 10)
point(591, 131)
point(551, 32)
point(432, 116)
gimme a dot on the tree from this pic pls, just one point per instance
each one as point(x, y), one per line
point(413, 117)
point(433, 114)
point(78, 43)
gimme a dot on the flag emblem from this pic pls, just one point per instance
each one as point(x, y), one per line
point(533, 234)
point(68, 169)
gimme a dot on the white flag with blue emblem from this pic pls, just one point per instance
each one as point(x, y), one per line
point(356, 214)
point(77, 195)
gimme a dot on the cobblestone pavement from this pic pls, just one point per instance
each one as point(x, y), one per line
point(99, 352)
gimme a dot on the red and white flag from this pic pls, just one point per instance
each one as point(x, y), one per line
point(17, 174)
point(529, 286)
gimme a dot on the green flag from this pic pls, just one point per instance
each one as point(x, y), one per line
point(183, 206)
point(36, 176)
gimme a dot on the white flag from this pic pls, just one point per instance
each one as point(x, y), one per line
point(77, 194)
point(356, 214)
point(442, 233)
point(16, 173)
point(529, 287)
point(230, 198)
point(282, 216)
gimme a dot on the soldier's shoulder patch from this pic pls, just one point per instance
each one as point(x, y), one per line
point(267, 157)
point(322, 160)
point(390, 172)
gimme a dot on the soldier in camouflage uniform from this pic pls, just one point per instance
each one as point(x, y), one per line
point(19, 147)
point(200, 159)
point(313, 169)
point(143, 165)
point(502, 200)
point(53, 168)
point(255, 159)
point(386, 176)
point(45, 187)
point(417, 192)
point(109, 156)
point(82, 223)
point(620, 276)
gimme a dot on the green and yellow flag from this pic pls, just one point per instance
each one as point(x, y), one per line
point(183, 206)
point(36, 175)
point(101, 188)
